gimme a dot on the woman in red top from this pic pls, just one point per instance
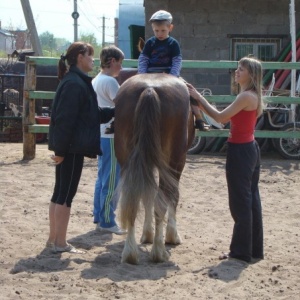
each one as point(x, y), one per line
point(243, 159)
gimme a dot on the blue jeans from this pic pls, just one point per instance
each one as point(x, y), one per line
point(242, 174)
point(108, 177)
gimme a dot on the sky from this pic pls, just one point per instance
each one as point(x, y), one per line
point(55, 17)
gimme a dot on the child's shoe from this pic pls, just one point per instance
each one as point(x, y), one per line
point(199, 124)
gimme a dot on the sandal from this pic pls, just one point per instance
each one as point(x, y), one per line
point(49, 245)
point(224, 256)
point(69, 248)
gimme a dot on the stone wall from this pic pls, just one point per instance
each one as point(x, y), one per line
point(202, 29)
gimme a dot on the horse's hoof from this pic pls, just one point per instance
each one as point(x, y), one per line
point(147, 239)
point(130, 257)
point(160, 257)
point(173, 240)
point(130, 260)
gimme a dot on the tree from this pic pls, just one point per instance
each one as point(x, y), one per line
point(62, 45)
point(91, 39)
point(88, 38)
point(47, 41)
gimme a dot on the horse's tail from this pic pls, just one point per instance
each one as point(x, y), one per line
point(138, 174)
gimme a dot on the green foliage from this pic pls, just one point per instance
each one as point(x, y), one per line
point(51, 46)
point(62, 45)
point(91, 39)
point(54, 47)
point(47, 40)
point(88, 38)
point(3, 54)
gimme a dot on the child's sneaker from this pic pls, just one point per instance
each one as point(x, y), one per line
point(199, 124)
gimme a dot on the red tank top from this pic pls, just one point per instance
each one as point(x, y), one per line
point(242, 126)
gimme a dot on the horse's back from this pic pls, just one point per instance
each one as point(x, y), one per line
point(174, 111)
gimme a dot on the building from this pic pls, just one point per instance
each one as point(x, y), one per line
point(226, 30)
point(11, 40)
point(130, 26)
point(7, 41)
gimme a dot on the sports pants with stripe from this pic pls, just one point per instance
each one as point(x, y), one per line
point(107, 180)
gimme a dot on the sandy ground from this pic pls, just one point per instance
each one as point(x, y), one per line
point(29, 271)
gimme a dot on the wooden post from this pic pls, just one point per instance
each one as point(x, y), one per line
point(34, 38)
point(29, 110)
point(292, 113)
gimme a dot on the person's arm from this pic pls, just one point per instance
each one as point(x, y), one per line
point(143, 62)
point(176, 57)
point(242, 101)
point(106, 114)
point(176, 65)
point(67, 111)
point(108, 88)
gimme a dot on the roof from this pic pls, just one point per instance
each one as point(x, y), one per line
point(6, 32)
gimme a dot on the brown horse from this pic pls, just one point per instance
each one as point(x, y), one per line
point(153, 131)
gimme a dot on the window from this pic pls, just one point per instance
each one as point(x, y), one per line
point(264, 48)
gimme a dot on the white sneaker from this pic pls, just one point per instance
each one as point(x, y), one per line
point(115, 229)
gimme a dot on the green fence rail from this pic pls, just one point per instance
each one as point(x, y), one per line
point(30, 95)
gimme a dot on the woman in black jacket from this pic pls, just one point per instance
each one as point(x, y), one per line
point(73, 133)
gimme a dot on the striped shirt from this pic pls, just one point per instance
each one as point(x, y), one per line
point(160, 56)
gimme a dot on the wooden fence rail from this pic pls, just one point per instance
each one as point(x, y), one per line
point(30, 95)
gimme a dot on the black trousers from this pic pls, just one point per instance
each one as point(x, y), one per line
point(242, 174)
point(67, 177)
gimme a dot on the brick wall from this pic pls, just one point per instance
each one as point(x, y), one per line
point(202, 29)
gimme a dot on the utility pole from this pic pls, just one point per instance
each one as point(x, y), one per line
point(75, 16)
point(34, 38)
point(103, 32)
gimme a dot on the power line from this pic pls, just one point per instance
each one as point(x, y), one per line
point(88, 19)
point(102, 28)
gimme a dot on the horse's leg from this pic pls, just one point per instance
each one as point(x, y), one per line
point(128, 203)
point(147, 235)
point(172, 236)
point(159, 252)
point(130, 252)
point(177, 164)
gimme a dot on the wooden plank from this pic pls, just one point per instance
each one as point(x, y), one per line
point(42, 61)
point(41, 95)
point(38, 128)
point(222, 64)
point(190, 64)
point(213, 98)
point(41, 128)
point(269, 99)
point(258, 133)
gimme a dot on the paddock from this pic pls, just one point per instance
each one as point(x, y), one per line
point(28, 271)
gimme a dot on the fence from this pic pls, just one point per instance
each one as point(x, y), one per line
point(30, 95)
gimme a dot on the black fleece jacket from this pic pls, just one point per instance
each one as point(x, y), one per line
point(75, 117)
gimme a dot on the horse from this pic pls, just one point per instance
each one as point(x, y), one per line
point(153, 130)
